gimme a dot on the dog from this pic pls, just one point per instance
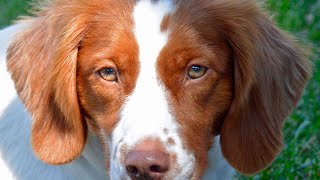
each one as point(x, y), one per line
point(145, 89)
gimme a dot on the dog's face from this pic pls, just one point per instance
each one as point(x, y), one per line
point(156, 81)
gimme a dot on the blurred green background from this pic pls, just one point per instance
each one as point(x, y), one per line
point(300, 158)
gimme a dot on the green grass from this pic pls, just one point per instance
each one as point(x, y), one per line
point(300, 158)
point(9, 9)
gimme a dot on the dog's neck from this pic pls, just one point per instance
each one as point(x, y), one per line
point(218, 168)
point(93, 153)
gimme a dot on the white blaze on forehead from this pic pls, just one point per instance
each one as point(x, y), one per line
point(147, 108)
point(146, 112)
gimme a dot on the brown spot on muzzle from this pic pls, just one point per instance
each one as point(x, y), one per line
point(170, 141)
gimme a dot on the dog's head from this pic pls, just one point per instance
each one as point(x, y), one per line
point(156, 81)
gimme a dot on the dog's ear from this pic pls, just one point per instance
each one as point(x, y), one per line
point(270, 72)
point(42, 61)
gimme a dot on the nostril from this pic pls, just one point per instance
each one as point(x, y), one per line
point(132, 170)
point(157, 169)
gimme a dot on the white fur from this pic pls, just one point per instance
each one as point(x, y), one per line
point(7, 91)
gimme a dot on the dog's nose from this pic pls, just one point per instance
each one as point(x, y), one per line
point(149, 164)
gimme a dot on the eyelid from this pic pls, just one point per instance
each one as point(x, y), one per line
point(102, 63)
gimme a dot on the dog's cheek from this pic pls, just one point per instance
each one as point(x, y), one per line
point(199, 122)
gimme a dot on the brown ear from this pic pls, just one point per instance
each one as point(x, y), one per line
point(42, 61)
point(270, 72)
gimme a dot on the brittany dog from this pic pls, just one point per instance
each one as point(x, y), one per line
point(145, 89)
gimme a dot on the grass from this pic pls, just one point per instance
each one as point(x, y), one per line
point(300, 158)
point(9, 9)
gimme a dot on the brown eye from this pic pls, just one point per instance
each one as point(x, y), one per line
point(196, 71)
point(108, 74)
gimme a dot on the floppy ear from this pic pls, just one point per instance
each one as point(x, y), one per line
point(42, 61)
point(270, 72)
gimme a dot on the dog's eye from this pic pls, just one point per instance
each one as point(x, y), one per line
point(108, 74)
point(196, 71)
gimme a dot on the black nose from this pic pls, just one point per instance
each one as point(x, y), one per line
point(151, 164)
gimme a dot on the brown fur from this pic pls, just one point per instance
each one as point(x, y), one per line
point(43, 64)
point(197, 104)
point(269, 73)
point(255, 76)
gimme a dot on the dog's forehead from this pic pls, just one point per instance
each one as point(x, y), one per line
point(128, 27)
point(148, 97)
point(148, 18)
